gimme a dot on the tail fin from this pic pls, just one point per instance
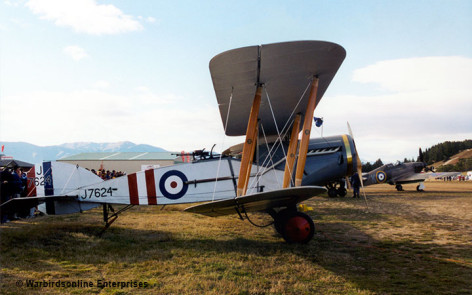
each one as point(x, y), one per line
point(57, 178)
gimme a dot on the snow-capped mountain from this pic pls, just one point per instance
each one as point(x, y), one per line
point(36, 154)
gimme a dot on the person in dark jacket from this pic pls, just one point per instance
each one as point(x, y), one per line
point(17, 184)
point(7, 190)
point(5, 182)
point(356, 184)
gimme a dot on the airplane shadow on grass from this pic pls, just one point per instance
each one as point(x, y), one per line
point(378, 266)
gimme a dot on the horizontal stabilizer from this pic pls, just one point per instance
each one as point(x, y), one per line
point(17, 204)
point(258, 202)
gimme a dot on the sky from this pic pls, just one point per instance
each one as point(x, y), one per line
point(110, 71)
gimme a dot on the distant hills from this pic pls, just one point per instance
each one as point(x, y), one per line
point(36, 154)
point(461, 161)
point(446, 156)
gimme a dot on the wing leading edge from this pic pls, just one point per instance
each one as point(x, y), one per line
point(258, 201)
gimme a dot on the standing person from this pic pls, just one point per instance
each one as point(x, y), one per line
point(356, 184)
point(5, 190)
point(24, 182)
point(5, 185)
point(17, 185)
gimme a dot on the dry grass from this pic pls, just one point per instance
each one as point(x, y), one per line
point(408, 242)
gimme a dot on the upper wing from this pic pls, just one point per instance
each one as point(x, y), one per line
point(258, 201)
point(285, 69)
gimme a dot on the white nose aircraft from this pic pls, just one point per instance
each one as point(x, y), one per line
point(267, 93)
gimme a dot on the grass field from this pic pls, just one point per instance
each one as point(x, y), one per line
point(403, 243)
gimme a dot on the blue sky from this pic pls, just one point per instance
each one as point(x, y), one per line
point(107, 71)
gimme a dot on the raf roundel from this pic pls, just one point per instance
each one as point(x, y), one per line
point(380, 176)
point(173, 184)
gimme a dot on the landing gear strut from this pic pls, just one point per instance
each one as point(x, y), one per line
point(294, 226)
point(109, 219)
point(336, 189)
point(420, 187)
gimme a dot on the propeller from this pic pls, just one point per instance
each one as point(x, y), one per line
point(359, 164)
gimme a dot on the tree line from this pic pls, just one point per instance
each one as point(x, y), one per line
point(436, 153)
point(367, 167)
point(443, 151)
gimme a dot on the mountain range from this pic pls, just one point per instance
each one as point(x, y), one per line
point(36, 154)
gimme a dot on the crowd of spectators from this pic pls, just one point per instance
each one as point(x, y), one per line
point(457, 178)
point(107, 174)
point(14, 182)
point(13, 185)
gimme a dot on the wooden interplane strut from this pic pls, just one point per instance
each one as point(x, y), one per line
point(292, 151)
point(249, 144)
point(307, 124)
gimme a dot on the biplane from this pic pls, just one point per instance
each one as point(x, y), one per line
point(268, 94)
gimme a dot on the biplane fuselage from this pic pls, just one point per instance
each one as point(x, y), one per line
point(329, 160)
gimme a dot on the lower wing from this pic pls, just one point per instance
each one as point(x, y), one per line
point(258, 202)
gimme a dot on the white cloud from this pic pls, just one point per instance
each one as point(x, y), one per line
point(85, 16)
point(428, 101)
point(150, 19)
point(76, 52)
point(10, 3)
point(412, 74)
point(101, 84)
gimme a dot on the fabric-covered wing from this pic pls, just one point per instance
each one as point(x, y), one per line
point(285, 69)
point(258, 202)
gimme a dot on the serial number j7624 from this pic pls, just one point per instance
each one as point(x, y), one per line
point(98, 192)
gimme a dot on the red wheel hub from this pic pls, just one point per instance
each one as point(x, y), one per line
point(297, 229)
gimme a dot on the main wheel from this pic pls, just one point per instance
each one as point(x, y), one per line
point(342, 192)
point(280, 218)
point(399, 187)
point(297, 227)
point(332, 192)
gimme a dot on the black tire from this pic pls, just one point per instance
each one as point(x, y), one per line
point(297, 227)
point(342, 192)
point(280, 218)
point(332, 192)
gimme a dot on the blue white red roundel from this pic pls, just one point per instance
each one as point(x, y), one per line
point(173, 184)
point(380, 176)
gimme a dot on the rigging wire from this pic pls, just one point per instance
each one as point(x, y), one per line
point(288, 122)
point(269, 157)
point(275, 121)
point(285, 129)
point(224, 136)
